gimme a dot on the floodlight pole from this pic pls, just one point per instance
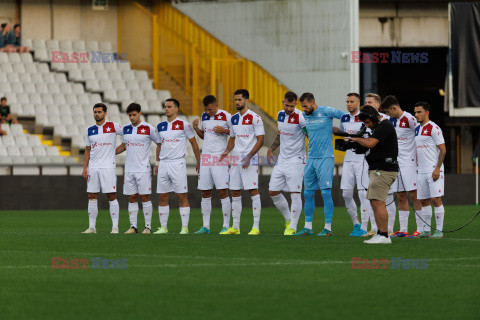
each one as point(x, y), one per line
point(476, 181)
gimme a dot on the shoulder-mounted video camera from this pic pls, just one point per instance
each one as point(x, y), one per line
point(344, 145)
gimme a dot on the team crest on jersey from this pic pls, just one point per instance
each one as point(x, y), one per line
point(109, 127)
point(162, 126)
point(93, 130)
point(143, 130)
point(221, 116)
point(205, 116)
point(128, 129)
point(281, 116)
point(235, 119)
point(427, 130)
point(293, 118)
point(247, 119)
point(177, 125)
point(404, 123)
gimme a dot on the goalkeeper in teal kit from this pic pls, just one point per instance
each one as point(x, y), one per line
point(318, 173)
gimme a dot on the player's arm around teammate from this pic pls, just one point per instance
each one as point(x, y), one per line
point(291, 140)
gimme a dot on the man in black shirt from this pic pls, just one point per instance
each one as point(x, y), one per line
point(5, 116)
point(382, 164)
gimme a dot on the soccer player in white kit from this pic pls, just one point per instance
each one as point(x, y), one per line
point(405, 125)
point(246, 138)
point(214, 130)
point(355, 169)
point(431, 152)
point(172, 172)
point(99, 165)
point(137, 138)
point(291, 139)
point(374, 100)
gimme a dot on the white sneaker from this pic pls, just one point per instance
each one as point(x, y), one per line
point(378, 239)
point(90, 230)
point(114, 230)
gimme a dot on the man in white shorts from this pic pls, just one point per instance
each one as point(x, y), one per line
point(214, 130)
point(355, 169)
point(405, 125)
point(431, 152)
point(287, 174)
point(172, 172)
point(246, 135)
point(374, 100)
point(99, 166)
point(137, 138)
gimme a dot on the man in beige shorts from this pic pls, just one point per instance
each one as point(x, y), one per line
point(383, 167)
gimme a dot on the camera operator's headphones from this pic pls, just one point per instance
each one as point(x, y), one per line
point(366, 115)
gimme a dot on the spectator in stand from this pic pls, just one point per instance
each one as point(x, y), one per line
point(15, 39)
point(4, 37)
point(5, 116)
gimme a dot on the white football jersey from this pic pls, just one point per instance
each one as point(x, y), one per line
point(405, 128)
point(351, 124)
point(173, 136)
point(138, 140)
point(245, 129)
point(214, 143)
point(427, 138)
point(384, 116)
point(102, 140)
point(292, 137)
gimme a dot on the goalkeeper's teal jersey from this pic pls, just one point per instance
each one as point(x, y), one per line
point(319, 128)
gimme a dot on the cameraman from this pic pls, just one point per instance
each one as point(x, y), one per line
point(382, 165)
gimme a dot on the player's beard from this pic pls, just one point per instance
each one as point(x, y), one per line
point(99, 120)
point(240, 108)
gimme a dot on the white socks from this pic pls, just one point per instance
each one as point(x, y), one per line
point(365, 208)
point(114, 211)
point(256, 207)
point(309, 225)
point(147, 212)
point(226, 210)
point(163, 213)
point(439, 215)
point(236, 211)
point(132, 213)
point(403, 218)
point(282, 205)
point(296, 210)
point(420, 224)
point(92, 213)
point(350, 205)
point(206, 206)
point(427, 217)
point(392, 210)
point(185, 215)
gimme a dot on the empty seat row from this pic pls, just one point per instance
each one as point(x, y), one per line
point(36, 160)
point(65, 45)
point(52, 88)
point(15, 57)
point(20, 140)
point(19, 67)
point(33, 77)
point(106, 84)
point(30, 110)
point(13, 129)
point(89, 74)
point(56, 98)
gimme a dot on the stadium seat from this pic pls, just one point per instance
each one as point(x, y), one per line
point(36, 78)
point(41, 55)
point(13, 150)
point(53, 109)
point(3, 151)
point(29, 87)
point(105, 46)
point(59, 98)
point(84, 66)
point(79, 45)
point(36, 98)
point(47, 98)
point(43, 68)
point(98, 66)
point(8, 141)
point(3, 76)
point(26, 151)
point(155, 106)
point(79, 119)
point(13, 78)
point(14, 57)
point(123, 95)
point(95, 98)
point(124, 66)
point(5, 87)
point(110, 66)
point(92, 45)
point(115, 75)
point(102, 75)
point(18, 67)
point(59, 66)
point(132, 85)
point(105, 84)
point(71, 98)
point(52, 151)
point(128, 74)
point(6, 127)
point(146, 85)
point(40, 109)
point(60, 78)
point(16, 108)
point(71, 66)
point(119, 84)
point(154, 119)
point(4, 57)
point(88, 74)
point(21, 140)
point(83, 98)
point(66, 45)
point(78, 88)
point(48, 78)
point(75, 75)
point(65, 88)
point(136, 94)
point(110, 95)
point(26, 57)
point(7, 67)
point(24, 78)
point(39, 151)
point(17, 87)
point(150, 94)
point(53, 88)
point(52, 44)
point(93, 85)
point(27, 42)
point(28, 110)
point(11, 97)
point(39, 44)
point(141, 75)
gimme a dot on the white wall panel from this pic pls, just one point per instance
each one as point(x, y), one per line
point(306, 44)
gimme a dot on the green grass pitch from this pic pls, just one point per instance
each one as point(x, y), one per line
point(231, 277)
